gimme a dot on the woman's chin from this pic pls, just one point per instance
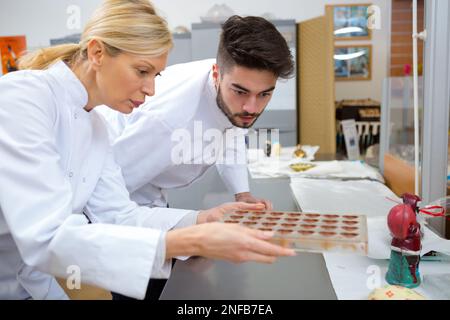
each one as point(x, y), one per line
point(124, 108)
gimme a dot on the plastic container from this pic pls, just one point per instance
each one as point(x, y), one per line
point(310, 232)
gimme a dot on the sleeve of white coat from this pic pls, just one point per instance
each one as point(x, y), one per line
point(36, 202)
point(233, 166)
point(143, 150)
point(110, 203)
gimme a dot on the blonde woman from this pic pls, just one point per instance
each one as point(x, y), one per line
point(63, 202)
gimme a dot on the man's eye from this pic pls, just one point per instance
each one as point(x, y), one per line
point(239, 93)
point(265, 94)
point(158, 74)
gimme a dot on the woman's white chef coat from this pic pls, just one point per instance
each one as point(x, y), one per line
point(55, 165)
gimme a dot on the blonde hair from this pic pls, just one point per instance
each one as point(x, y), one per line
point(130, 26)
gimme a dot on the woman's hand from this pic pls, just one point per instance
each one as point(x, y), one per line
point(215, 214)
point(229, 242)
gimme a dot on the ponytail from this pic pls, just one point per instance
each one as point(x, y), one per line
point(44, 58)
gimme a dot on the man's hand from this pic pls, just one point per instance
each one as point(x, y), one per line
point(248, 198)
point(215, 214)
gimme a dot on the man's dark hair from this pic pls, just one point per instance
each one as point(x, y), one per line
point(254, 43)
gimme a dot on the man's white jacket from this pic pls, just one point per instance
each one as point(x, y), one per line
point(172, 139)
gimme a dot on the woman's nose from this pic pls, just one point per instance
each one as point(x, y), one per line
point(149, 88)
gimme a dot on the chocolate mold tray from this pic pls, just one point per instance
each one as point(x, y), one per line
point(312, 232)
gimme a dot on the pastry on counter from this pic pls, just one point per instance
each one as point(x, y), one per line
point(299, 167)
point(298, 152)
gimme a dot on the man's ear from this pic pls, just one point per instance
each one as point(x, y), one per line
point(216, 74)
point(96, 53)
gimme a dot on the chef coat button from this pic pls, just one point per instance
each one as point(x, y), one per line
point(75, 115)
point(70, 174)
point(84, 179)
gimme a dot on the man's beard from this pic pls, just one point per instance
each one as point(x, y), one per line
point(232, 116)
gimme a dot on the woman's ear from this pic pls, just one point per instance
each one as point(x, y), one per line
point(96, 53)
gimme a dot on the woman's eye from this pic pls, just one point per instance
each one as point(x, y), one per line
point(142, 72)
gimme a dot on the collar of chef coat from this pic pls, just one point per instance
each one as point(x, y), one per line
point(77, 94)
point(217, 114)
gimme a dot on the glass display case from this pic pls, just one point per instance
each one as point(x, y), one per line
point(397, 149)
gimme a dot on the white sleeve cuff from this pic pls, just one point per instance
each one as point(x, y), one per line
point(188, 220)
point(161, 267)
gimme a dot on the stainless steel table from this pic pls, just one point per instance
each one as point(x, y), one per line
point(302, 277)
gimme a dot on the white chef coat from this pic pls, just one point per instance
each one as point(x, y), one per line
point(55, 164)
point(185, 100)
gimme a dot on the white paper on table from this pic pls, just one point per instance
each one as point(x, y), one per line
point(351, 275)
point(358, 169)
point(354, 277)
point(345, 197)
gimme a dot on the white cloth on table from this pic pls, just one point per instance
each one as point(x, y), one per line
point(260, 167)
